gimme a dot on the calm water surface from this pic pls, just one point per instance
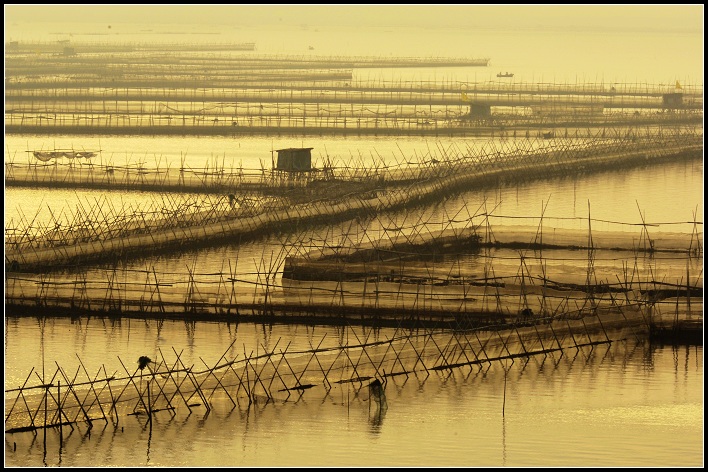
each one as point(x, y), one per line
point(542, 50)
point(624, 404)
point(669, 192)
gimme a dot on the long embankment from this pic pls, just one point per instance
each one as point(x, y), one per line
point(454, 176)
point(457, 126)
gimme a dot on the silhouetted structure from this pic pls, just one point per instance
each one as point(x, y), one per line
point(294, 160)
point(143, 361)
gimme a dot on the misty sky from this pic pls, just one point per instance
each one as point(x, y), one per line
point(687, 18)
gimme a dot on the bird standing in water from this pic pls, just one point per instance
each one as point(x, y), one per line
point(143, 361)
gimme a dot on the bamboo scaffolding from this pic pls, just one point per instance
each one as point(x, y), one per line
point(216, 218)
point(277, 375)
point(405, 284)
point(316, 95)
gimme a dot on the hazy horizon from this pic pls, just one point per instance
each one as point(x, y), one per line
point(668, 18)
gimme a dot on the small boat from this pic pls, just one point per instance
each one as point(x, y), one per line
point(505, 74)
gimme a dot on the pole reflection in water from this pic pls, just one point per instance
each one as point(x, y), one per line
point(377, 394)
point(618, 404)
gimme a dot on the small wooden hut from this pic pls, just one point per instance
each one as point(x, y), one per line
point(294, 160)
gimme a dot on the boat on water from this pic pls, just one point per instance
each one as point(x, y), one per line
point(505, 74)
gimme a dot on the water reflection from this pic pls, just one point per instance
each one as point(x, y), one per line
point(377, 417)
point(377, 397)
point(430, 418)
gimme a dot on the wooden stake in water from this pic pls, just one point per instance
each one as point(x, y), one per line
point(149, 405)
point(504, 402)
point(46, 398)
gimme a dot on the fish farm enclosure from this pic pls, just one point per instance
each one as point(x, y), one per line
point(132, 89)
point(346, 241)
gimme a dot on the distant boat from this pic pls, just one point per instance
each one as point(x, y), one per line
point(505, 74)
